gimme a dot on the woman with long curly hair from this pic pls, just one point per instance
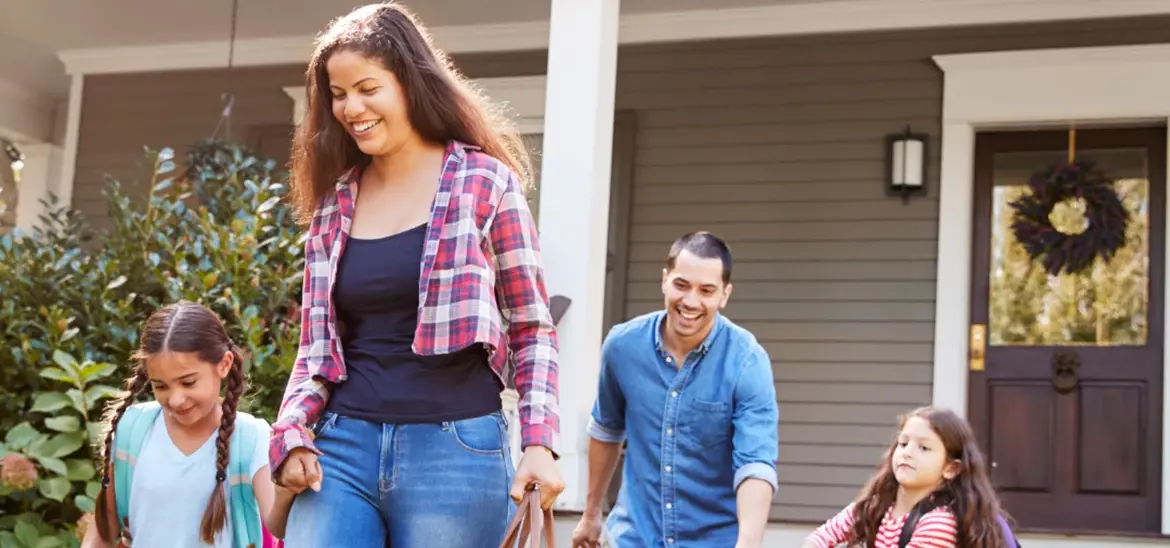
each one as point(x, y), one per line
point(933, 473)
point(423, 281)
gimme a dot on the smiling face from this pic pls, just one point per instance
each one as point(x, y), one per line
point(920, 459)
point(694, 292)
point(185, 386)
point(369, 102)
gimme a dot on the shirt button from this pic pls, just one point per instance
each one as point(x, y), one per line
point(670, 540)
point(668, 468)
point(669, 360)
point(674, 393)
point(669, 506)
point(669, 431)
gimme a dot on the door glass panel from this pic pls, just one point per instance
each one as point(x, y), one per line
point(1105, 305)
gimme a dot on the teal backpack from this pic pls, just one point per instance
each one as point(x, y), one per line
point(243, 512)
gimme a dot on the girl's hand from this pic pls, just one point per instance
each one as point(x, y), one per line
point(538, 466)
point(300, 471)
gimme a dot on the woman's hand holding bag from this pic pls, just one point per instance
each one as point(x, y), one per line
point(539, 523)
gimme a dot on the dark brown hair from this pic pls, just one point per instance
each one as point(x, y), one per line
point(441, 104)
point(969, 495)
point(183, 327)
point(703, 245)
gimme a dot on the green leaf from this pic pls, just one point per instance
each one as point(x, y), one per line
point(64, 444)
point(93, 489)
point(268, 205)
point(36, 449)
point(95, 431)
point(54, 465)
point(50, 542)
point(97, 392)
point(69, 334)
point(58, 374)
point(116, 283)
point(55, 488)
point(66, 423)
point(47, 402)
point(65, 360)
point(26, 533)
point(79, 470)
point(78, 400)
point(92, 371)
point(84, 503)
point(3, 450)
point(20, 436)
point(9, 540)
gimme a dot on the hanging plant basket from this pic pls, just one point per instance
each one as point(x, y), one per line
point(1105, 218)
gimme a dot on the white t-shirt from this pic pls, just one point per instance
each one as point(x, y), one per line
point(170, 490)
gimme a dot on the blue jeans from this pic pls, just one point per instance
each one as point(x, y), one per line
point(407, 485)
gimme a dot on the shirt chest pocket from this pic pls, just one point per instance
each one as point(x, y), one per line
point(705, 423)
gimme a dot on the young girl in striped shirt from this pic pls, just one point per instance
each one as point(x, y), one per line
point(934, 471)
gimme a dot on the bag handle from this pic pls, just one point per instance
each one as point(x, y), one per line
point(539, 523)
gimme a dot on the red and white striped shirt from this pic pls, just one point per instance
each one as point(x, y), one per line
point(936, 529)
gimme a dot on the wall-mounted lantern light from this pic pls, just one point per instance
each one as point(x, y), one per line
point(906, 164)
point(14, 156)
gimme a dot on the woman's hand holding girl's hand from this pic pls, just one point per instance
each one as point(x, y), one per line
point(538, 466)
point(301, 471)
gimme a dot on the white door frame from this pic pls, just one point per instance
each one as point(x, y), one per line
point(982, 91)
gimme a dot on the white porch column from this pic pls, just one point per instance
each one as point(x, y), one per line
point(574, 203)
point(41, 175)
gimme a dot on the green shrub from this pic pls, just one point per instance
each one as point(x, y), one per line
point(215, 230)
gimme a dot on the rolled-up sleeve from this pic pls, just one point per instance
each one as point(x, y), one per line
point(607, 422)
point(755, 440)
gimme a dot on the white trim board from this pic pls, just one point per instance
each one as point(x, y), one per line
point(68, 169)
point(641, 28)
point(1026, 88)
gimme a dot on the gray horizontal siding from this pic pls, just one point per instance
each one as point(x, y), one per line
point(777, 145)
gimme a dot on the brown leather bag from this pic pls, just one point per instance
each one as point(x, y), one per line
point(539, 523)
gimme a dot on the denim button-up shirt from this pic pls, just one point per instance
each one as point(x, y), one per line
point(694, 433)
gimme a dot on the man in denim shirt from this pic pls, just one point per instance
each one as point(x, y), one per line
point(691, 394)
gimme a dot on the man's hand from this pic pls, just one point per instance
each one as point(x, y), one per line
point(538, 466)
point(300, 471)
point(588, 531)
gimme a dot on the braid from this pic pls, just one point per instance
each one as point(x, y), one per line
point(114, 411)
point(216, 514)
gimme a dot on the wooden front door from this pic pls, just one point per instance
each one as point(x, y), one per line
point(1080, 448)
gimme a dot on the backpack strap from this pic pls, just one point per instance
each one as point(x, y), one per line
point(922, 508)
point(245, 512)
point(129, 435)
point(1008, 536)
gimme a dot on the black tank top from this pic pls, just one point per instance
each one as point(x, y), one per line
point(377, 296)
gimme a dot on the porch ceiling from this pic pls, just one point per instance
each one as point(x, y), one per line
point(32, 32)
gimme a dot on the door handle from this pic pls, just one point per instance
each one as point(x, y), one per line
point(977, 347)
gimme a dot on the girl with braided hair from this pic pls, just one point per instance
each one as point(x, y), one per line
point(173, 447)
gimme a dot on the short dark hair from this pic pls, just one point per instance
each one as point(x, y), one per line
point(703, 245)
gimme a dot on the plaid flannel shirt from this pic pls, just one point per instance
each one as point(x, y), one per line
point(481, 282)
